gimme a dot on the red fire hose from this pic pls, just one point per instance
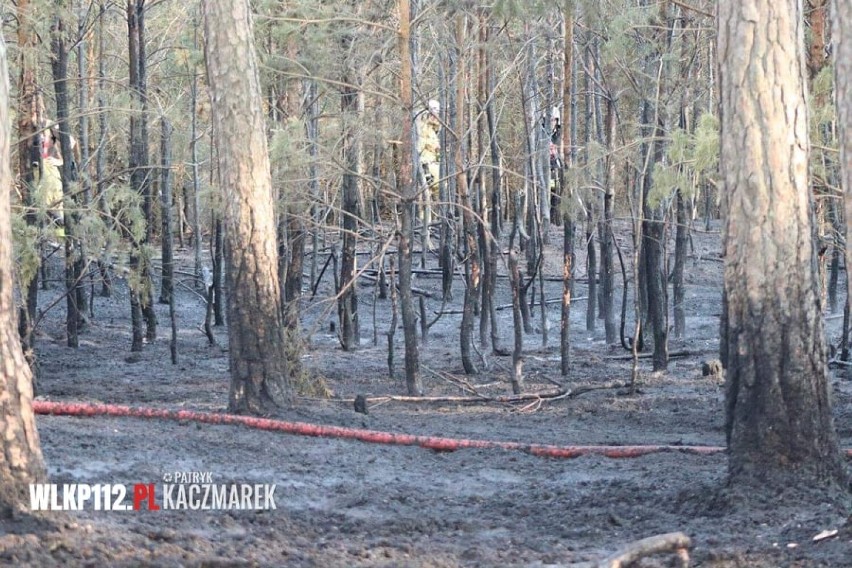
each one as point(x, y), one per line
point(371, 436)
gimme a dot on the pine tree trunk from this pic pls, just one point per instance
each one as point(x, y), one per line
point(20, 459)
point(678, 288)
point(842, 41)
point(100, 158)
point(167, 289)
point(409, 195)
point(218, 271)
point(348, 299)
point(778, 414)
point(566, 191)
point(607, 261)
point(140, 294)
point(167, 242)
point(195, 199)
point(73, 249)
point(472, 267)
point(262, 365)
point(29, 156)
point(517, 351)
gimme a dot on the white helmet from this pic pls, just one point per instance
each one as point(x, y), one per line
point(434, 106)
point(554, 114)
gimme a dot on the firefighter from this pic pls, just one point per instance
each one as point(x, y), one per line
point(429, 153)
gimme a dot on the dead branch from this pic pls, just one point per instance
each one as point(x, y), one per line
point(711, 258)
point(675, 542)
point(509, 306)
point(649, 355)
point(480, 399)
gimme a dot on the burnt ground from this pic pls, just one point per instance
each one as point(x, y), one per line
point(348, 503)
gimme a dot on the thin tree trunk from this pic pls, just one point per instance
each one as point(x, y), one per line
point(472, 267)
point(73, 249)
point(167, 290)
point(167, 241)
point(566, 191)
point(607, 270)
point(218, 271)
point(140, 295)
point(409, 197)
point(100, 159)
point(517, 352)
point(678, 288)
point(195, 200)
point(348, 299)
point(494, 215)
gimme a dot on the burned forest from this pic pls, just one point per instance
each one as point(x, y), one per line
point(426, 283)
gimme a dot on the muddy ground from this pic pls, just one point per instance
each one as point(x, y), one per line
point(347, 503)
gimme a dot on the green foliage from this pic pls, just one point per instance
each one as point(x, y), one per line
point(688, 159)
point(706, 145)
point(25, 239)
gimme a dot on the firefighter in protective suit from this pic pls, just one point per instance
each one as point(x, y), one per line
point(429, 152)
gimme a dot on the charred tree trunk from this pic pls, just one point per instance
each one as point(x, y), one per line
point(471, 246)
point(517, 351)
point(167, 290)
point(218, 272)
point(141, 293)
point(409, 196)
point(842, 41)
point(494, 214)
point(607, 260)
point(75, 292)
point(348, 300)
point(195, 199)
point(100, 158)
point(681, 245)
point(167, 241)
point(29, 156)
point(778, 414)
point(566, 191)
point(263, 364)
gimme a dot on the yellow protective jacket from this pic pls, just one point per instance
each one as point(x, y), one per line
point(428, 141)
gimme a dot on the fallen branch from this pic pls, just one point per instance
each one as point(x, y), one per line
point(676, 542)
point(501, 399)
point(672, 355)
point(509, 306)
point(418, 291)
point(711, 258)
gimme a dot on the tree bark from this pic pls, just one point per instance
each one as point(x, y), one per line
point(20, 459)
point(842, 40)
point(29, 156)
point(262, 365)
point(471, 246)
point(678, 287)
point(351, 103)
point(409, 196)
point(566, 191)
point(75, 293)
point(141, 292)
point(167, 290)
point(607, 269)
point(778, 416)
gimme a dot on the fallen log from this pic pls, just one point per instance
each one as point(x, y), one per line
point(672, 355)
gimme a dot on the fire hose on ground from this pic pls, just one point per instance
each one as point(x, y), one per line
point(436, 443)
